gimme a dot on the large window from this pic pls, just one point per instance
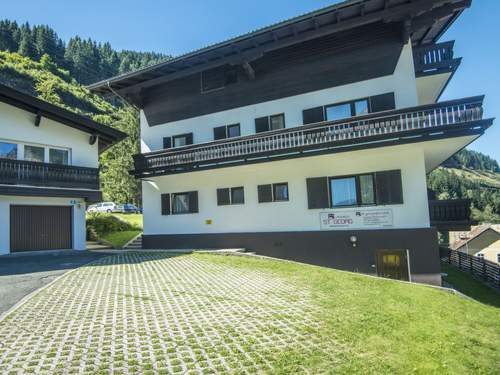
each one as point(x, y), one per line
point(34, 153)
point(273, 192)
point(346, 110)
point(8, 150)
point(179, 203)
point(58, 156)
point(230, 196)
point(343, 191)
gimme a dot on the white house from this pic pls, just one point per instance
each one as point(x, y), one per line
point(48, 173)
point(309, 139)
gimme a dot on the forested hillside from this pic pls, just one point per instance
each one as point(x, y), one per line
point(86, 60)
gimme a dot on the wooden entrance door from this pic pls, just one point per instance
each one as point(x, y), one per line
point(40, 228)
point(393, 264)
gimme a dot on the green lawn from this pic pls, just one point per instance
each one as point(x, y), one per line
point(119, 239)
point(472, 288)
point(133, 219)
point(386, 326)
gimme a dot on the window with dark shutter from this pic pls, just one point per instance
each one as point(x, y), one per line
point(238, 195)
point(313, 115)
point(167, 142)
point(384, 102)
point(223, 198)
point(388, 187)
point(265, 193)
point(193, 201)
point(165, 204)
point(220, 132)
point(261, 124)
point(317, 192)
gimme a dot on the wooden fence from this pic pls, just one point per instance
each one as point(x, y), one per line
point(481, 269)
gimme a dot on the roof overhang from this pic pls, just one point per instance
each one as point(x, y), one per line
point(106, 135)
point(424, 21)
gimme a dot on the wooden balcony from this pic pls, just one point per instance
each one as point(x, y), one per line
point(435, 59)
point(28, 173)
point(452, 118)
point(451, 215)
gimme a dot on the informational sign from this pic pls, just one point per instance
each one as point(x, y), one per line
point(376, 218)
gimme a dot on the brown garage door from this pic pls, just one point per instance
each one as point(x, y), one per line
point(40, 228)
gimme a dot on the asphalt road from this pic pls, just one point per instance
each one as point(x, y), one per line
point(22, 274)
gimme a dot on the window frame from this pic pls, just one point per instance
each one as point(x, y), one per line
point(226, 131)
point(17, 147)
point(172, 207)
point(230, 201)
point(282, 115)
point(184, 135)
point(229, 77)
point(274, 186)
point(357, 182)
point(352, 104)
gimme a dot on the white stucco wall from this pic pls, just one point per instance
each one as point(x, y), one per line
point(78, 217)
point(402, 83)
point(17, 125)
point(293, 215)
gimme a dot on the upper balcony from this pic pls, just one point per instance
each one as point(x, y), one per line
point(434, 68)
point(451, 215)
point(429, 122)
point(18, 177)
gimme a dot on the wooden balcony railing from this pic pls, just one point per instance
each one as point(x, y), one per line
point(20, 172)
point(372, 127)
point(434, 58)
point(453, 214)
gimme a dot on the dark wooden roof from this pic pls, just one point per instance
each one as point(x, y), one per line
point(422, 20)
point(107, 135)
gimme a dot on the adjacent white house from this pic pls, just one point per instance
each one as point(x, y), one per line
point(48, 173)
point(309, 139)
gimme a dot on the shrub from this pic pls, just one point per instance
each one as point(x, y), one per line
point(100, 224)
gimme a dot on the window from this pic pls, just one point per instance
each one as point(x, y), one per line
point(273, 192)
point(58, 156)
point(218, 78)
point(498, 258)
point(179, 203)
point(345, 110)
point(343, 191)
point(379, 188)
point(182, 140)
point(34, 153)
point(227, 131)
point(8, 150)
point(274, 122)
point(230, 196)
point(480, 256)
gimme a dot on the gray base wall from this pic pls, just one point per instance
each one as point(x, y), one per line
point(323, 248)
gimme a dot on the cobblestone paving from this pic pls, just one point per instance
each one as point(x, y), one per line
point(140, 313)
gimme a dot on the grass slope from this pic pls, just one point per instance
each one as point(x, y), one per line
point(387, 326)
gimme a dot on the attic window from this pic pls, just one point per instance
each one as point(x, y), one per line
point(218, 78)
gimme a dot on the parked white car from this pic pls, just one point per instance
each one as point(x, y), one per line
point(102, 207)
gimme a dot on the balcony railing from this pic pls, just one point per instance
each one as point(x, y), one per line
point(453, 214)
point(434, 58)
point(20, 172)
point(374, 127)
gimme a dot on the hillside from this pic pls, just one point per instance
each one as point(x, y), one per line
point(46, 80)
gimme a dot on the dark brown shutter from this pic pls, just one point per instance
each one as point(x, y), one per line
point(189, 139)
point(223, 197)
point(312, 115)
point(165, 204)
point(167, 142)
point(193, 201)
point(389, 187)
point(317, 192)
point(220, 132)
point(382, 102)
point(261, 124)
point(265, 193)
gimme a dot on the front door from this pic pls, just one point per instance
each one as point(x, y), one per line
point(393, 264)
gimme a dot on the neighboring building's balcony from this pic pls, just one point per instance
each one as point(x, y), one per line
point(17, 176)
point(435, 59)
point(430, 122)
point(451, 215)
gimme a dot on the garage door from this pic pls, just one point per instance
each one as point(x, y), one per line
point(40, 228)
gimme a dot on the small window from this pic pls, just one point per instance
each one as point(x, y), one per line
point(338, 112)
point(498, 258)
point(227, 131)
point(229, 196)
point(274, 122)
point(237, 195)
point(57, 156)
point(343, 191)
point(277, 122)
point(367, 189)
point(280, 192)
point(8, 150)
point(361, 107)
point(233, 130)
point(34, 153)
point(480, 256)
point(182, 140)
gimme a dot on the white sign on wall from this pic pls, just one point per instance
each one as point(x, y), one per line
point(356, 219)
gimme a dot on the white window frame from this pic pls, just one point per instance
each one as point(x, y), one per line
point(21, 145)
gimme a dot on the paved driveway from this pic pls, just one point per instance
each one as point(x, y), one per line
point(158, 313)
point(21, 274)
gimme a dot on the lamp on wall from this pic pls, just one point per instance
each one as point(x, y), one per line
point(353, 240)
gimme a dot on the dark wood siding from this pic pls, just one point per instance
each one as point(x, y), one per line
point(334, 60)
point(313, 115)
point(40, 228)
point(384, 102)
point(389, 187)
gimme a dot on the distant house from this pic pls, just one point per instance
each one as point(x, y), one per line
point(309, 139)
point(483, 242)
point(48, 173)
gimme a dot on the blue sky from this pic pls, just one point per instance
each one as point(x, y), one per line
point(174, 27)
